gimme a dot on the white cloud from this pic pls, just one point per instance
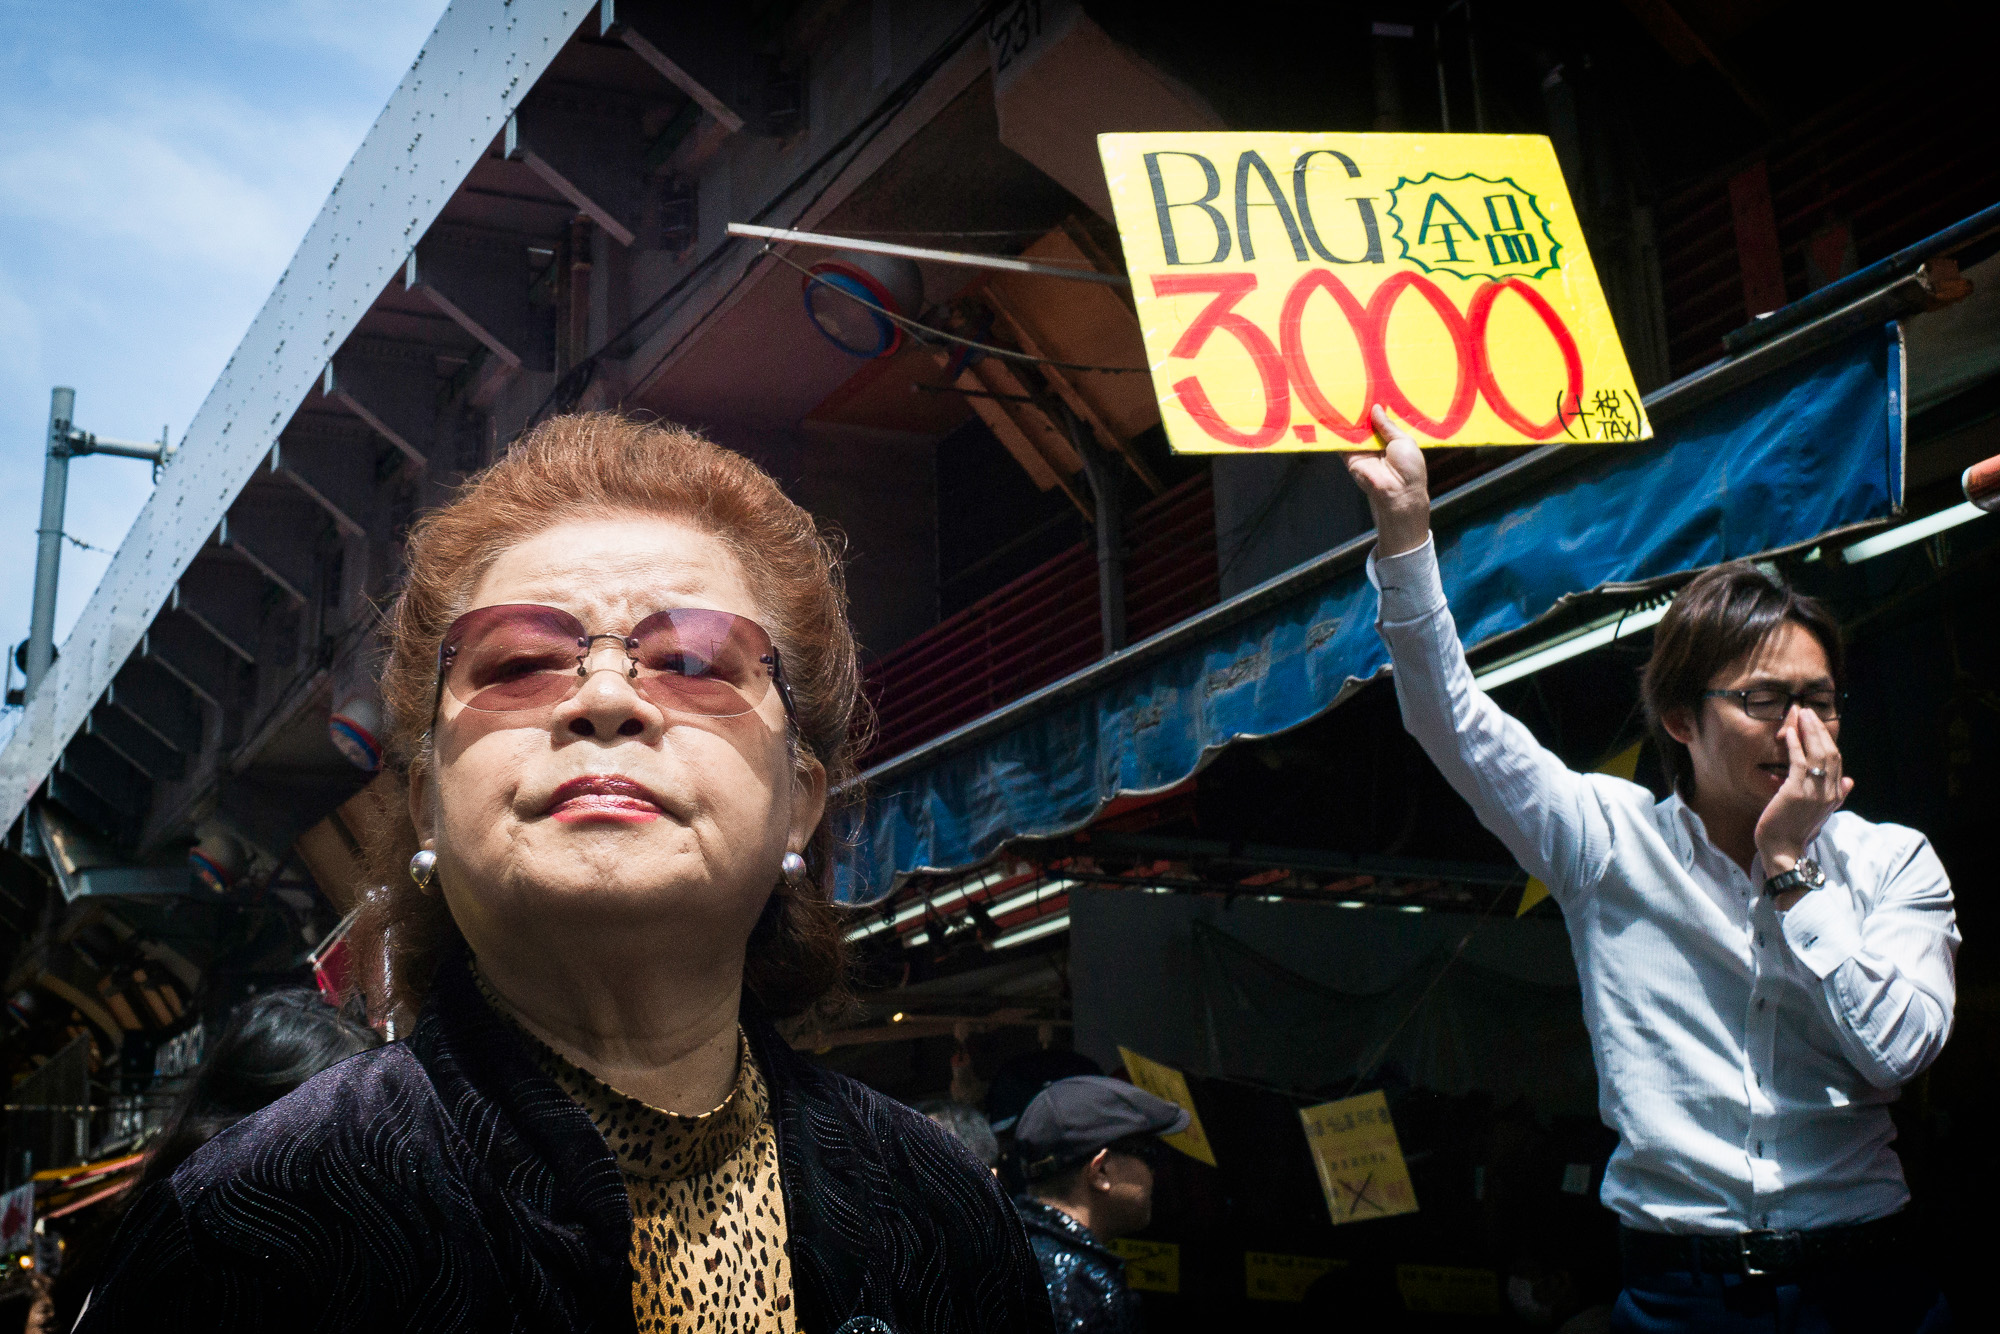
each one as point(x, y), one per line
point(191, 177)
point(379, 36)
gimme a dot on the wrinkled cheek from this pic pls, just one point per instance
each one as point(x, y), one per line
point(475, 819)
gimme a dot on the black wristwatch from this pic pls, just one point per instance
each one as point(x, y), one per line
point(1805, 874)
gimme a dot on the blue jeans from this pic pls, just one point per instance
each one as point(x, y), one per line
point(1878, 1299)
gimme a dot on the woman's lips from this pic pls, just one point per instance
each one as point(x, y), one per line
point(604, 797)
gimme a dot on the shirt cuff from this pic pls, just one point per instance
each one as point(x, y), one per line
point(1409, 583)
point(1823, 929)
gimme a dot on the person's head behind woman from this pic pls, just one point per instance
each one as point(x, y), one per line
point(270, 1045)
point(623, 684)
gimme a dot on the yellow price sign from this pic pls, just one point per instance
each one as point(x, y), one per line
point(1150, 1266)
point(1445, 1290)
point(1360, 1161)
point(1164, 1081)
point(1269, 1277)
point(1287, 282)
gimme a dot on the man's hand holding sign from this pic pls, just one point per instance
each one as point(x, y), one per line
point(1288, 283)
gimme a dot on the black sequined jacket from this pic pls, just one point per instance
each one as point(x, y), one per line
point(446, 1183)
point(1086, 1279)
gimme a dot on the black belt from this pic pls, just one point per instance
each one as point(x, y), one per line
point(1765, 1252)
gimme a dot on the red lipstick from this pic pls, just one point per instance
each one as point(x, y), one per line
point(604, 797)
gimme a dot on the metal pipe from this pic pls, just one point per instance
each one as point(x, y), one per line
point(1437, 58)
point(1862, 281)
point(1472, 63)
point(48, 544)
point(153, 451)
point(1103, 475)
point(966, 258)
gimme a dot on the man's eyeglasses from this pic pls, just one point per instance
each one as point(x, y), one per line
point(523, 657)
point(1771, 706)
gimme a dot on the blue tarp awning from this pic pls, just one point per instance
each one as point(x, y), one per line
point(1811, 449)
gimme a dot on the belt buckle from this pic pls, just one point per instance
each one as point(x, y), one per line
point(1764, 1250)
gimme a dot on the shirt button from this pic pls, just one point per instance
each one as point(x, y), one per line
point(1760, 1002)
point(1760, 940)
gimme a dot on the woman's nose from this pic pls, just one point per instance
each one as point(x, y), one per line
point(608, 702)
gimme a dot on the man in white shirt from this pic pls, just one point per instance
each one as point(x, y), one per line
point(1761, 971)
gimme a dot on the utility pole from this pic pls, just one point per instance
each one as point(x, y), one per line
point(66, 442)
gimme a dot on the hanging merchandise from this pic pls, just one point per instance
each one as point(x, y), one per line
point(850, 297)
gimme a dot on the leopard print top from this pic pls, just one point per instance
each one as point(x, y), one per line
point(709, 1237)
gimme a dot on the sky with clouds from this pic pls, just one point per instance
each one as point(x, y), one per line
point(159, 162)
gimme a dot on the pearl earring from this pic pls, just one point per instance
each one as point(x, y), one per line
point(422, 867)
point(793, 868)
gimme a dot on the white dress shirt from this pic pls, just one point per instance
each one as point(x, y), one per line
point(1745, 1056)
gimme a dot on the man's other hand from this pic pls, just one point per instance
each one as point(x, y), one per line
point(1397, 487)
point(1814, 789)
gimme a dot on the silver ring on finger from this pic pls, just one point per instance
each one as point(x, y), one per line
point(1816, 773)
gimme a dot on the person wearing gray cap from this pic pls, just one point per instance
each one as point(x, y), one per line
point(1087, 1146)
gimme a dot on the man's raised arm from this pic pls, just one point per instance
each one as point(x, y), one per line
point(1547, 815)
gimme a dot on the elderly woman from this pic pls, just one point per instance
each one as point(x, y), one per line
point(622, 681)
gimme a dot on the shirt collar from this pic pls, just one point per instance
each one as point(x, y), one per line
point(1689, 834)
point(1686, 829)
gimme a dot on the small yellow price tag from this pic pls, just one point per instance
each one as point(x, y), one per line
point(1166, 1082)
point(1283, 1278)
point(1360, 1161)
point(1443, 1290)
point(1150, 1266)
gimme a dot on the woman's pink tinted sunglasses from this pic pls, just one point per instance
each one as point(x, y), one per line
point(520, 657)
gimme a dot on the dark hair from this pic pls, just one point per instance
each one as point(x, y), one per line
point(1719, 619)
point(271, 1044)
point(586, 465)
point(1058, 1183)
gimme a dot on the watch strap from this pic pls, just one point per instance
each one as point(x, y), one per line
point(1805, 874)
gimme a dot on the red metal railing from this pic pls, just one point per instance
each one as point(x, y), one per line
point(1897, 161)
point(1044, 625)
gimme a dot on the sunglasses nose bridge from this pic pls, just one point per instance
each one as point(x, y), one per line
point(591, 649)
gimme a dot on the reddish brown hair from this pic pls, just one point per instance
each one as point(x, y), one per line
point(585, 466)
point(1716, 621)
